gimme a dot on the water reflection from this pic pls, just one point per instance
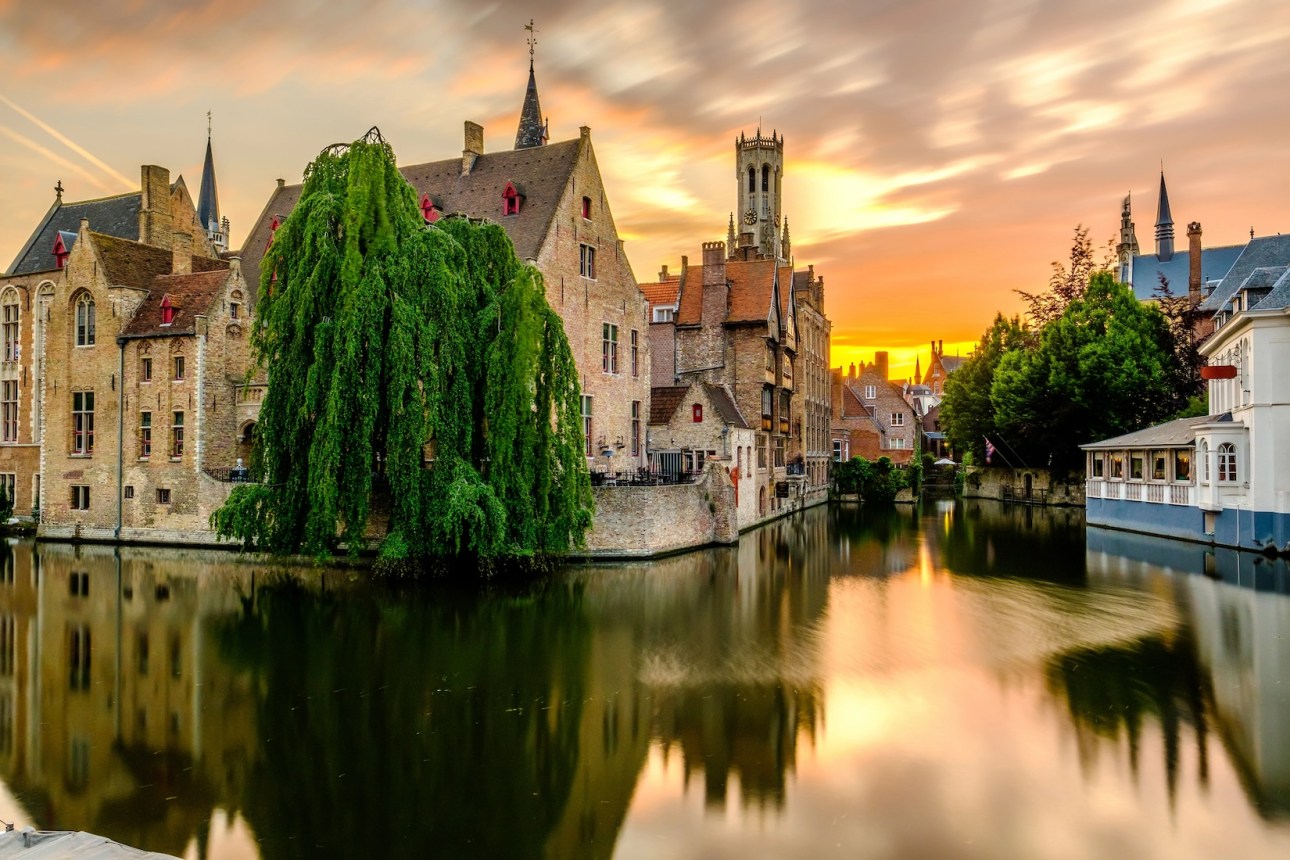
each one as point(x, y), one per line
point(898, 683)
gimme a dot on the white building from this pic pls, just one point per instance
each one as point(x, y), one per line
point(1222, 479)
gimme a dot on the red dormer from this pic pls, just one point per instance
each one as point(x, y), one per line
point(273, 230)
point(61, 251)
point(167, 311)
point(512, 199)
point(430, 210)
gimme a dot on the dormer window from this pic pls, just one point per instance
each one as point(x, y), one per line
point(512, 199)
point(61, 251)
point(273, 231)
point(167, 311)
point(430, 210)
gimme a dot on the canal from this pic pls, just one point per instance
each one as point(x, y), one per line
point(969, 681)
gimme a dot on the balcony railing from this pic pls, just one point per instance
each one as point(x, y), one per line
point(1134, 491)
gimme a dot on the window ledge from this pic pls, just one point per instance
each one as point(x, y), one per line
point(176, 459)
point(80, 456)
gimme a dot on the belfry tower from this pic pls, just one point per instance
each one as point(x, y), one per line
point(759, 175)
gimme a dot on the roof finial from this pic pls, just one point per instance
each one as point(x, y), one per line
point(208, 125)
point(1251, 234)
point(58, 189)
point(532, 40)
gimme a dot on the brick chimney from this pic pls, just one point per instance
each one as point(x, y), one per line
point(1193, 260)
point(155, 221)
point(880, 361)
point(474, 146)
point(716, 292)
point(182, 250)
point(662, 273)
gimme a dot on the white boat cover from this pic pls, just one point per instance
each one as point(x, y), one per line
point(49, 844)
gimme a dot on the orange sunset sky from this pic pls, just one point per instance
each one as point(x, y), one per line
point(939, 154)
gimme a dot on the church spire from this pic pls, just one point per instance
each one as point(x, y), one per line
point(532, 131)
point(1164, 225)
point(785, 244)
point(208, 197)
point(730, 236)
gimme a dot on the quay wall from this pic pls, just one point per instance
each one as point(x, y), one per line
point(988, 482)
point(646, 521)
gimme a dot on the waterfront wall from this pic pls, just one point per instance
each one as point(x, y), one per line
point(988, 482)
point(645, 521)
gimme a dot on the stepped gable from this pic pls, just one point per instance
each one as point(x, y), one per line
point(663, 401)
point(725, 406)
point(1262, 252)
point(752, 285)
point(543, 172)
point(133, 264)
point(112, 216)
point(190, 296)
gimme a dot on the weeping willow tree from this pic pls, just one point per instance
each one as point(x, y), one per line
point(419, 361)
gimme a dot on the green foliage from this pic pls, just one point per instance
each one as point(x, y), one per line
point(967, 413)
point(876, 481)
point(1068, 282)
point(6, 505)
point(1104, 367)
point(411, 363)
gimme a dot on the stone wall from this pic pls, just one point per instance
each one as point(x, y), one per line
point(646, 521)
point(987, 482)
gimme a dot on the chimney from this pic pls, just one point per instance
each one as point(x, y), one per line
point(662, 273)
point(474, 147)
point(940, 347)
point(182, 248)
point(585, 132)
point(852, 372)
point(155, 222)
point(933, 349)
point(880, 361)
point(1193, 259)
point(716, 292)
point(282, 183)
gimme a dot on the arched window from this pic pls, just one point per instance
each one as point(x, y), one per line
point(1204, 462)
point(752, 180)
point(84, 320)
point(765, 178)
point(9, 310)
point(1226, 463)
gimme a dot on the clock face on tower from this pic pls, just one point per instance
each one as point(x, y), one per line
point(750, 217)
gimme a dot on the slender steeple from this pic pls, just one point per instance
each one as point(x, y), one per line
point(532, 131)
point(1164, 225)
point(918, 370)
point(785, 243)
point(730, 236)
point(208, 199)
point(1127, 248)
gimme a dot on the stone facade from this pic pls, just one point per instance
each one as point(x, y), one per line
point(811, 422)
point(646, 521)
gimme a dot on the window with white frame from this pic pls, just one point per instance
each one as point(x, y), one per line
point(898, 419)
point(898, 444)
point(587, 261)
point(586, 424)
point(9, 313)
point(663, 314)
point(177, 436)
point(837, 450)
point(82, 422)
point(9, 409)
point(145, 435)
point(870, 392)
point(609, 348)
point(84, 320)
point(635, 353)
point(1227, 463)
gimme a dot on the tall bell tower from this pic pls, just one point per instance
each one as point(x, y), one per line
point(759, 176)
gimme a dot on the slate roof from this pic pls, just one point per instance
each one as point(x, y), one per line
point(725, 406)
point(663, 401)
point(113, 216)
point(1147, 269)
point(531, 131)
point(663, 292)
point(952, 363)
point(1260, 253)
point(543, 171)
point(190, 295)
point(1279, 298)
point(1179, 433)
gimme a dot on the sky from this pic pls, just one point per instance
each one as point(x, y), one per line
point(939, 153)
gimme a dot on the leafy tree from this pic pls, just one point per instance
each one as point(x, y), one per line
point(875, 481)
point(1186, 324)
point(1104, 367)
point(420, 362)
point(1067, 283)
point(967, 413)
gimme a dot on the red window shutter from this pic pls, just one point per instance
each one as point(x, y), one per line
point(697, 410)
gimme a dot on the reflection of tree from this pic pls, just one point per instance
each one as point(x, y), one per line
point(988, 538)
point(1111, 691)
point(422, 721)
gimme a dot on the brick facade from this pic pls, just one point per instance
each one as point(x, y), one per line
point(871, 417)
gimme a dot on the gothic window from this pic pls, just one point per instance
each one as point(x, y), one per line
point(10, 311)
point(1227, 463)
point(84, 320)
point(752, 180)
point(765, 178)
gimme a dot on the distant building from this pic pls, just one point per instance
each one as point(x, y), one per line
point(939, 368)
point(871, 417)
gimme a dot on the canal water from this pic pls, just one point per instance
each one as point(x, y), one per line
point(969, 681)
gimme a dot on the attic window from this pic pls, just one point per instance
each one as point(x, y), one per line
point(273, 230)
point(429, 210)
point(60, 252)
point(586, 208)
point(512, 199)
point(696, 412)
point(167, 311)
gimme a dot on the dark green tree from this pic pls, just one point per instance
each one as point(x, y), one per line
point(1104, 367)
point(416, 364)
point(967, 413)
point(1068, 281)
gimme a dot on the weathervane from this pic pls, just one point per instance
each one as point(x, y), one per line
point(532, 38)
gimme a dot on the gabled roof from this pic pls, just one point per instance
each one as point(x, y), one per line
point(725, 406)
point(664, 292)
point(543, 171)
point(190, 296)
point(663, 401)
point(1279, 298)
point(752, 288)
point(113, 216)
point(689, 309)
point(133, 264)
point(952, 363)
point(1261, 252)
point(1147, 269)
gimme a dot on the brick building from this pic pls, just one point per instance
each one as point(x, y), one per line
point(27, 291)
point(939, 368)
point(871, 417)
point(550, 198)
point(812, 404)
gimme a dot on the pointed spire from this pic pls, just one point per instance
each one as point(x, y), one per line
point(1164, 225)
point(730, 236)
point(918, 370)
point(531, 131)
point(785, 244)
point(208, 197)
